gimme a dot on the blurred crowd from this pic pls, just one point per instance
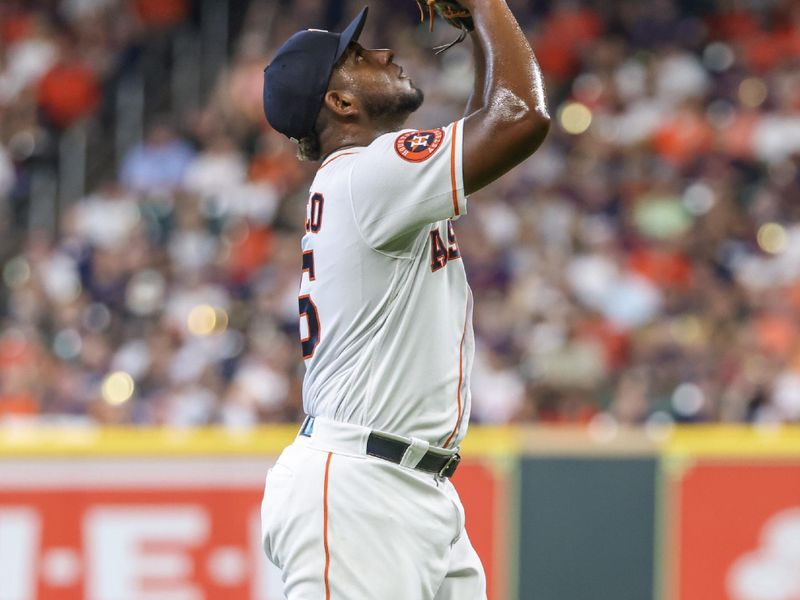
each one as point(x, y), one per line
point(642, 268)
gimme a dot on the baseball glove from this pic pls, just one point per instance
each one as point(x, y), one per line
point(452, 12)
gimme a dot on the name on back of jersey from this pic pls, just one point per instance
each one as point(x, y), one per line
point(441, 253)
point(314, 210)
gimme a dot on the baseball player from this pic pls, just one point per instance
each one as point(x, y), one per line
point(360, 506)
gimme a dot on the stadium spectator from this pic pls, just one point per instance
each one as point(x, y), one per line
point(69, 90)
point(159, 164)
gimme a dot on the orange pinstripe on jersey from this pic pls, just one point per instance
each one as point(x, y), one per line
point(325, 527)
point(453, 168)
point(460, 376)
point(330, 160)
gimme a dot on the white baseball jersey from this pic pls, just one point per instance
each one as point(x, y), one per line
point(386, 312)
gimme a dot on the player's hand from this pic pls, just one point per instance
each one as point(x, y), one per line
point(452, 12)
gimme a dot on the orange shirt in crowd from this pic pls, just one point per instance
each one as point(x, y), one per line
point(16, 355)
point(68, 92)
point(613, 341)
point(762, 50)
point(17, 405)
point(250, 251)
point(682, 137)
point(563, 34)
point(663, 267)
point(14, 27)
point(161, 13)
point(736, 139)
point(736, 24)
point(776, 334)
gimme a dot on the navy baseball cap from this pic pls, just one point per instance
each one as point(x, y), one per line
point(296, 80)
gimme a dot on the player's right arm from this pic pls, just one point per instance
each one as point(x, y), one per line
point(511, 119)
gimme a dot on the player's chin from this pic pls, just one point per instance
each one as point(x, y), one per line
point(413, 91)
point(413, 98)
point(405, 91)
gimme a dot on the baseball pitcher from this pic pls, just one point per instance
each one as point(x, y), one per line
point(360, 506)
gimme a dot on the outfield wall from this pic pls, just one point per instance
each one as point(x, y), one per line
point(124, 514)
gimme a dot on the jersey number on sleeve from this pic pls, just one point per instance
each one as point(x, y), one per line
point(309, 310)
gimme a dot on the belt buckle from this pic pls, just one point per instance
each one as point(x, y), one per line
point(455, 458)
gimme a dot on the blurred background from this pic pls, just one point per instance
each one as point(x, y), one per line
point(636, 281)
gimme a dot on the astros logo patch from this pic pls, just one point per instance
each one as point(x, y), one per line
point(417, 146)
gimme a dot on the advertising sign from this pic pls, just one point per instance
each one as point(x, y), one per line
point(122, 529)
point(162, 528)
point(736, 530)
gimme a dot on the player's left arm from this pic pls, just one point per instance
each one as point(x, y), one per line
point(514, 119)
point(475, 102)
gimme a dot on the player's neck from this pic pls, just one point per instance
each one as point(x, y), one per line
point(329, 146)
point(326, 153)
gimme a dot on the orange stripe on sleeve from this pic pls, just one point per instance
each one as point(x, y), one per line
point(325, 527)
point(453, 168)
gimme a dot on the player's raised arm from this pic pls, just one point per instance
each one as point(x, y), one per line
point(479, 87)
point(511, 120)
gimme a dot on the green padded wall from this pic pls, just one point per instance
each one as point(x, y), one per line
point(587, 528)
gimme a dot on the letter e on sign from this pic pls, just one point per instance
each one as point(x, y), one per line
point(138, 553)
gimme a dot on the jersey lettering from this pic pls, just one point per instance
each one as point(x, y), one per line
point(308, 264)
point(309, 310)
point(441, 254)
point(452, 245)
point(438, 251)
point(314, 213)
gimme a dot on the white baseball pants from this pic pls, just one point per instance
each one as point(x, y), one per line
point(345, 526)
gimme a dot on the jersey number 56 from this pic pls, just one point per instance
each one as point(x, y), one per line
point(308, 310)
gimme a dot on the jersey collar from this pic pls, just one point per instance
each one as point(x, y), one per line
point(345, 151)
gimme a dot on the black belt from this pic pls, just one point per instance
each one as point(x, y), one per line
point(381, 446)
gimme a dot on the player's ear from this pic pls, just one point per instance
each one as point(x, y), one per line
point(341, 103)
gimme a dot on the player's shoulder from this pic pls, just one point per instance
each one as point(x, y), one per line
point(407, 145)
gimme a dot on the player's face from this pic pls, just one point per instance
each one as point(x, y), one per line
point(383, 89)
